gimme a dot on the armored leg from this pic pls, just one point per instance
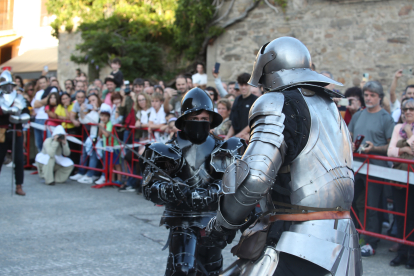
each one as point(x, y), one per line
point(210, 258)
point(290, 265)
point(183, 248)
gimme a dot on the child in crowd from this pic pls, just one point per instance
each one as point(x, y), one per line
point(104, 132)
point(157, 116)
point(116, 73)
point(171, 130)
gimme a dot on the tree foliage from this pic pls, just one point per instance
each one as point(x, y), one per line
point(144, 34)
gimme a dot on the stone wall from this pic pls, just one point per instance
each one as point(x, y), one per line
point(67, 47)
point(348, 38)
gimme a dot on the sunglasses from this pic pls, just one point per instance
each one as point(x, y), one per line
point(411, 109)
point(211, 93)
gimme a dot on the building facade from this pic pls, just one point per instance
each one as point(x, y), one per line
point(347, 38)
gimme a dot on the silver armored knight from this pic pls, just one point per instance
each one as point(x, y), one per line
point(13, 113)
point(298, 166)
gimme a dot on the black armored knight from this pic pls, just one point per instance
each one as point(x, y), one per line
point(13, 113)
point(196, 161)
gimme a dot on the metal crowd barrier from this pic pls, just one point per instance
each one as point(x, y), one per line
point(403, 178)
point(107, 167)
point(400, 178)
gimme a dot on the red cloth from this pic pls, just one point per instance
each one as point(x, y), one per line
point(130, 119)
point(348, 117)
point(49, 123)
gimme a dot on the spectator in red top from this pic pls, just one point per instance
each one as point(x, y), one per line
point(354, 95)
point(53, 101)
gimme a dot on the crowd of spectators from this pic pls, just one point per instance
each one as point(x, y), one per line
point(95, 109)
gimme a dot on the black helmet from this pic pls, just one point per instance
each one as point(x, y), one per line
point(195, 100)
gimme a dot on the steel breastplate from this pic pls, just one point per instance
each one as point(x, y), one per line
point(196, 161)
point(321, 175)
point(8, 99)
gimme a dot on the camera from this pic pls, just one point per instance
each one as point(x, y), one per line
point(61, 137)
point(127, 90)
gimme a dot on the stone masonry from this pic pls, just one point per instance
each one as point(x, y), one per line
point(348, 38)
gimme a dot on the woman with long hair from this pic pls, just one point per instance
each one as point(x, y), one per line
point(402, 146)
point(89, 115)
point(53, 100)
point(142, 105)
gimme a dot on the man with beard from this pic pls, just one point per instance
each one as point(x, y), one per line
point(194, 162)
point(182, 88)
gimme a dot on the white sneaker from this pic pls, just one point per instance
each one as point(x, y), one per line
point(86, 180)
point(95, 177)
point(101, 180)
point(76, 176)
point(10, 165)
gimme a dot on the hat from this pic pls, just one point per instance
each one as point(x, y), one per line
point(59, 130)
point(105, 109)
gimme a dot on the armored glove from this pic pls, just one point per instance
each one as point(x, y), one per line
point(19, 119)
point(201, 197)
point(12, 110)
point(220, 235)
point(174, 192)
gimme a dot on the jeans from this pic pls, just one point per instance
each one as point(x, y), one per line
point(39, 134)
point(93, 163)
point(375, 193)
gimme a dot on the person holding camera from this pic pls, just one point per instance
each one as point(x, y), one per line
point(52, 162)
point(376, 125)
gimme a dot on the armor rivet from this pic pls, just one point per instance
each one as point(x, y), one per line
point(316, 191)
point(311, 181)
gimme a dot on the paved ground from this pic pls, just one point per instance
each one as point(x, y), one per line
point(71, 229)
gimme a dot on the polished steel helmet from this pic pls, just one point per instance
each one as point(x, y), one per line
point(286, 63)
point(195, 100)
point(6, 82)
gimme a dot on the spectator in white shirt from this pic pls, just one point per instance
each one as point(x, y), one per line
point(38, 103)
point(157, 115)
point(200, 78)
point(395, 104)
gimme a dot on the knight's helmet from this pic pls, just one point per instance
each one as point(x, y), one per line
point(286, 63)
point(196, 100)
point(197, 131)
point(6, 82)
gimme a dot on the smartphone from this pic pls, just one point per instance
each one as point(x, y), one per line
point(349, 102)
point(365, 75)
point(216, 68)
point(358, 141)
point(89, 106)
point(46, 68)
point(407, 71)
point(343, 102)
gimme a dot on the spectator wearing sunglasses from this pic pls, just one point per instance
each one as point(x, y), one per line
point(401, 146)
point(212, 92)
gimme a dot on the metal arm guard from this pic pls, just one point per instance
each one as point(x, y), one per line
point(249, 180)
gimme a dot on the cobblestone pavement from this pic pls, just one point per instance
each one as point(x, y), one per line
point(71, 229)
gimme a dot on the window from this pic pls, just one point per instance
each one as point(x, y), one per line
point(6, 14)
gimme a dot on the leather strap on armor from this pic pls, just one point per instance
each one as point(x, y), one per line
point(312, 216)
